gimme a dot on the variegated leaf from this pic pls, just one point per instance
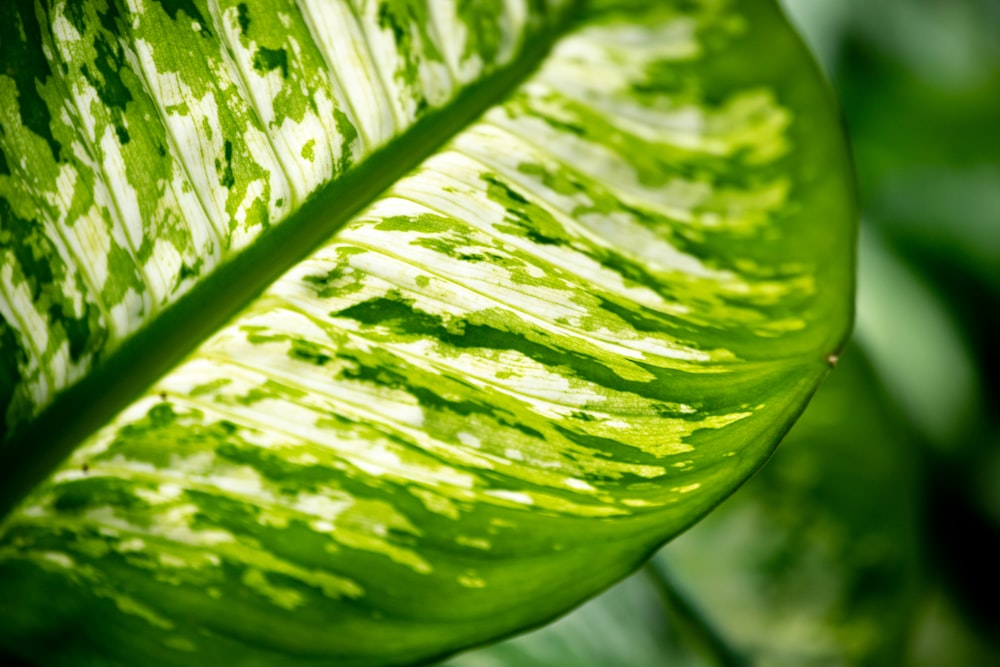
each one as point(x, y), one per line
point(146, 142)
point(799, 568)
point(554, 344)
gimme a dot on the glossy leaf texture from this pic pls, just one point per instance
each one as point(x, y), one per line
point(798, 567)
point(145, 143)
point(555, 344)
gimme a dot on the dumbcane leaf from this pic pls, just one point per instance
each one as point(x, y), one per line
point(796, 568)
point(626, 625)
point(144, 146)
point(799, 567)
point(555, 344)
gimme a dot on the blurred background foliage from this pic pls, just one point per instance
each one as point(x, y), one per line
point(873, 535)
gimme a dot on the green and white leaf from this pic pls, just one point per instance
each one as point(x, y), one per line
point(797, 568)
point(147, 142)
point(800, 567)
point(557, 342)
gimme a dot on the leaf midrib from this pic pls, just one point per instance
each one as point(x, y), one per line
point(34, 450)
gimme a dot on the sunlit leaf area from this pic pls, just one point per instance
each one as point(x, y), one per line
point(873, 534)
point(499, 333)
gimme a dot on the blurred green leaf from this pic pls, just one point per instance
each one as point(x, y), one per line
point(941, 636)
point(815, 560)
point(916, 346)
point(920, 85)
point(823, 24)
point(948, 214)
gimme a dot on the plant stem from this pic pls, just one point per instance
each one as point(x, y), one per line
point(691, 623)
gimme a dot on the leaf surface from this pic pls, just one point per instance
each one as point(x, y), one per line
point(797, 568)
point(554, 344)
point(626, 625)
point(800, 566)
